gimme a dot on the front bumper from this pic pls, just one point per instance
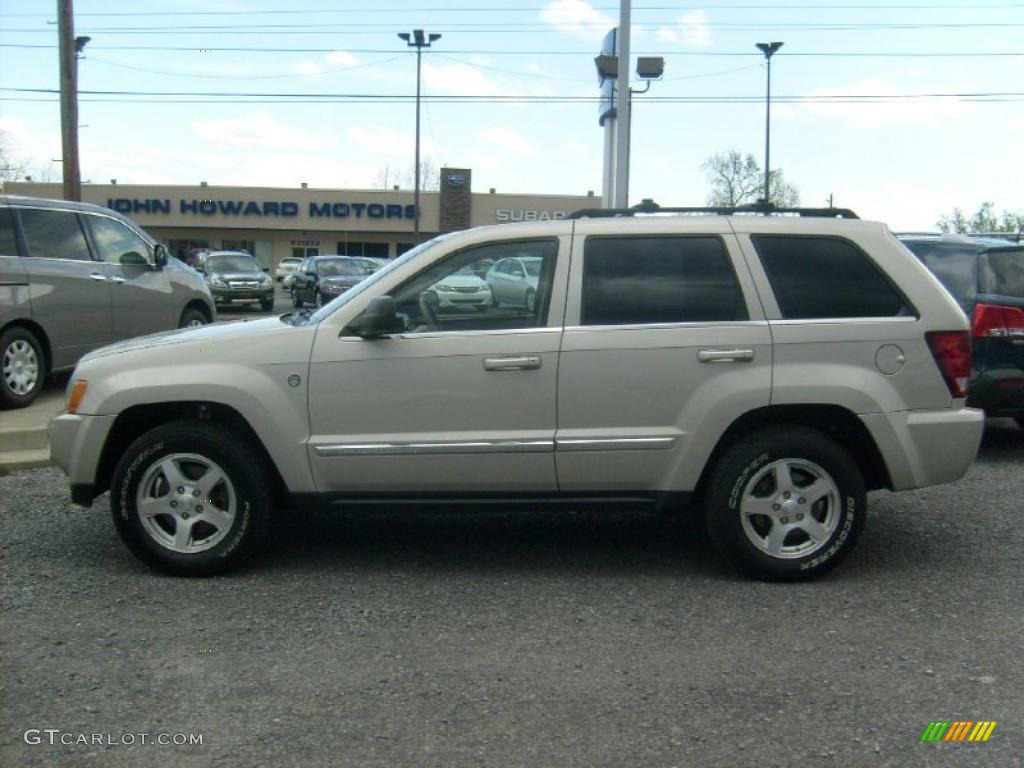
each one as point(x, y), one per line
point(76, 444)
point(922, 448)
point(228, 295)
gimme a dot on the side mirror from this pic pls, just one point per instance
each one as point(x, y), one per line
point(378, 319)
point(160, 255)
point(266, 269)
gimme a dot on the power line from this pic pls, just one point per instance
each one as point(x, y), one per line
point(562, 52)
point(492, 9)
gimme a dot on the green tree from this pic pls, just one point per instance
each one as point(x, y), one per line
point(737, 179)
point(984, 220)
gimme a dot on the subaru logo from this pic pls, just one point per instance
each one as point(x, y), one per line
point(456, 179)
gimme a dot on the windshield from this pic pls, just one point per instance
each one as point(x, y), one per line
point(235, 262)
point(339, 267)
point(377, 276)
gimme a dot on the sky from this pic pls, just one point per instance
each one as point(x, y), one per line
point(901, 111)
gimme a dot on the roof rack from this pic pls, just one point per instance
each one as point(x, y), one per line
point(649, 206)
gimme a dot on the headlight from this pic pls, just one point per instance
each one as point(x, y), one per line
point(216, 282)
point(264, 279)
point(443, 287)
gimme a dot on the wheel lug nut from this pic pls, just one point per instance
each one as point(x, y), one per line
point(786, 495)
point(801, 500)
point(776, 507)
point(181, 489)
point(174, 505)
point(799, 516)
point(784, 520)
point(196, 493)
point(184, 515)
point(199, 508)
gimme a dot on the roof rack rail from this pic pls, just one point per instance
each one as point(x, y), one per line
point(649, 206)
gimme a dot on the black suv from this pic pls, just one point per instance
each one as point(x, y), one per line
point(320, 278)
point(986, 276)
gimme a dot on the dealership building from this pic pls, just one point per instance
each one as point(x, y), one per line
point(273, 223)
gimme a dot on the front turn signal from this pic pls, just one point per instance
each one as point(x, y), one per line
point(76, 394)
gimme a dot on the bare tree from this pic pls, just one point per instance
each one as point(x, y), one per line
point(737, 179)
point(392, 175)
point(984, 220)
point(12, 168)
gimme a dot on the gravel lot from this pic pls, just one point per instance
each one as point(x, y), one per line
point(514, 638)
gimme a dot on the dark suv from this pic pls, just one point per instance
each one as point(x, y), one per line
point(986, 276)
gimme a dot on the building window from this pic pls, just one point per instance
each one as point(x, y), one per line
point(249, 246)
point(350, 248)
point(304, 251)
point(402, 248)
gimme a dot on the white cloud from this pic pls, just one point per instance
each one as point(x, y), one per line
point(691, 29)
point(577, 18)
point(874, 114)
point(342, 58)
point(464, 79)
point(308, 68)
point(695, 29)
point(391, 145)
point(256, 129)
point(575, 145)
point(509, 141)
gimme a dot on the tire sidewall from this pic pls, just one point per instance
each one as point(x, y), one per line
point(251, 517)
point(188, 314)
point(8, 398)
point(742, 463)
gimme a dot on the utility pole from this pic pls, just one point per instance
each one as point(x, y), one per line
point(768, 49)
point(419, 41)
point(622, 108)
point(69, 101)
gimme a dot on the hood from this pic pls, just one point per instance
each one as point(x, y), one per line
point(342, 280)
point(214, 332)
point(463, 281)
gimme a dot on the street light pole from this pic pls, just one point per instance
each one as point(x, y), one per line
point(768, 49)
point(418, 40)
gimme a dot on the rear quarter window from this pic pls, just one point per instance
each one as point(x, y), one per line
point(826, 278)
point(1002, 272)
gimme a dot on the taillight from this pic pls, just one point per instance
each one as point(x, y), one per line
point(952, 353)
point(994, 321)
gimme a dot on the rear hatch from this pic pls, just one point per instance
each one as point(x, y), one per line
point(998, 317)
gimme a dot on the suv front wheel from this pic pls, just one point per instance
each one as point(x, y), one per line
point(189, 499)
point(786, 504)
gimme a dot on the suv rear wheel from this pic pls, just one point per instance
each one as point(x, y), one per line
point(787, 503)
point(22, 367)
point(190, 499)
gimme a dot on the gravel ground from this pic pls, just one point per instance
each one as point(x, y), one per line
point(516, 638)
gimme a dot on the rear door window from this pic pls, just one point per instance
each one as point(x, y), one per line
point(658, 280)
point(826, 277)
point(54, 235)
point(8, 233)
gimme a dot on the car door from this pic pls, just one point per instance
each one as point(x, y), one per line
point(456, 402)
point(69, 291)
point(141, 294)
point(665, 345)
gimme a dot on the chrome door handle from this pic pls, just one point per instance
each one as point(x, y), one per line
point(97, 276)
point(725, 355)
point(118, 280)
point(529, 363)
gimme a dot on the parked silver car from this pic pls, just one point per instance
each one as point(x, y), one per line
point(514, 280)
point(74, 277)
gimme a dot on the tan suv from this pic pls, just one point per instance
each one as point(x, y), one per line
point(772, 368)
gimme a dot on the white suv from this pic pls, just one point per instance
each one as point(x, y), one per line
point(772, 368)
